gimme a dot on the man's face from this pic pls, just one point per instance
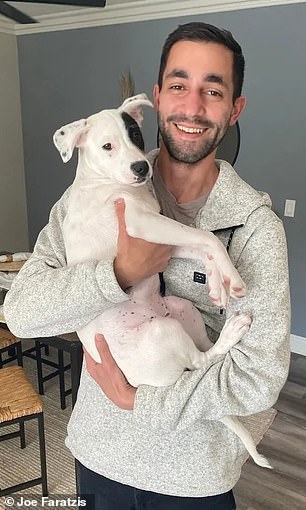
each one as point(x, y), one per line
point(195, 104)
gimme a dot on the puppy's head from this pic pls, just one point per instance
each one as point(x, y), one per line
point(110, 142)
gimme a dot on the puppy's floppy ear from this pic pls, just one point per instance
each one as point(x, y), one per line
point(70, 136)
point(133, 106)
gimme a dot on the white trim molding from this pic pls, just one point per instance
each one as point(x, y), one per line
point(6, 27)
point(131, 11)
point(298, 344)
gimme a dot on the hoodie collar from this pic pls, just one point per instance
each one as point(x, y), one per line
point(230, 202)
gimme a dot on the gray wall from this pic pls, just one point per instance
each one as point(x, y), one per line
point(68, 75)
point(13, 213)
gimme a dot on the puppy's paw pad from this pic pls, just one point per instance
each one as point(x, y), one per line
point(238, 291)
point(235, 327)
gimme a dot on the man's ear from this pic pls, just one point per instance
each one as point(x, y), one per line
point(238, 107)
point(156, 97)
point(70, 136)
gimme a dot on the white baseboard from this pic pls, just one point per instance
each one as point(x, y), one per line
point(298, 344)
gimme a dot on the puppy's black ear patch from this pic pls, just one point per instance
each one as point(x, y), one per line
point(133, 130)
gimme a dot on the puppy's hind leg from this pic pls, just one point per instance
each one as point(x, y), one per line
point(232, 332)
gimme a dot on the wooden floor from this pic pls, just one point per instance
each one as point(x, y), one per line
point(284, 444)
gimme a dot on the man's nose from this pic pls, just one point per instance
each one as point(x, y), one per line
point(194, 104)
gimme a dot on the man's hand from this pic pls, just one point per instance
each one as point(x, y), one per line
point(136, 259)
point(109, 376)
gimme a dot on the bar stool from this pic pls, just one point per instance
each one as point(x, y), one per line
point(69, 343)
point(19, 403)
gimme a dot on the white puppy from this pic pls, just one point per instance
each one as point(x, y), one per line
point(153, 339)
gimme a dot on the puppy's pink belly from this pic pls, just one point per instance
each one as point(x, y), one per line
point(190, 318)
point(132, 314)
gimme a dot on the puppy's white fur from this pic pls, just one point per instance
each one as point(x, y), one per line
point(153, 339)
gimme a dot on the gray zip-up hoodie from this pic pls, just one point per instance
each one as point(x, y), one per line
point(172, 442)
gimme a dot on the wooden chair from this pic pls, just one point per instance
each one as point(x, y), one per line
point(19, 403)
point(11, 345)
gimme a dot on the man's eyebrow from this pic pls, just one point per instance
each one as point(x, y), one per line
point(177, 73)
point(215, 78)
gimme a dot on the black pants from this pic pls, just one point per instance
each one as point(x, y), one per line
point(101, 493)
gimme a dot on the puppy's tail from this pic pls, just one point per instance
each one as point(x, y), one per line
point(236, 426)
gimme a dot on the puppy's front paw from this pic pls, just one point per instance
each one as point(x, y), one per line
point(218, 289)
point(237, 287)
point(223, 284)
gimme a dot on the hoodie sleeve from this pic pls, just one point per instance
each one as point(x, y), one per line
point(251, 375)
point(47, 297)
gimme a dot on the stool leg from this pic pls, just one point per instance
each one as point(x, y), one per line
point(42, 448)
point(11, 351)
point(19, 354)
point(1, 362)
point(22, 435)
point(40, 381)
point(61, 374)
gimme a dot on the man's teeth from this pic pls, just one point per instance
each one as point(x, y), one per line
point(190, 130)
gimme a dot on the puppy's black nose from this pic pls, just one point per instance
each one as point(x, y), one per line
point(140, 168)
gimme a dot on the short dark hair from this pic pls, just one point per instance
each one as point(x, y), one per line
point(202, 32)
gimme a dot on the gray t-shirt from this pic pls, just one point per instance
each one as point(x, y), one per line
point(184, 213)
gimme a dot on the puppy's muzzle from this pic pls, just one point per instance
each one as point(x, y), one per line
point(140, 169)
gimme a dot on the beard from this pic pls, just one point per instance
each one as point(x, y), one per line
point(189, 152)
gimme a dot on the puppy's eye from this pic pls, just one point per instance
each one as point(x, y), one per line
point(107, 147)
point(136, 137)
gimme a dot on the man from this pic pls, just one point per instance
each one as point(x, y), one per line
point(162, 448)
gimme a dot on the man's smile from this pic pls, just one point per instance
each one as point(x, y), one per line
point(189, 139)
point(191, 130)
